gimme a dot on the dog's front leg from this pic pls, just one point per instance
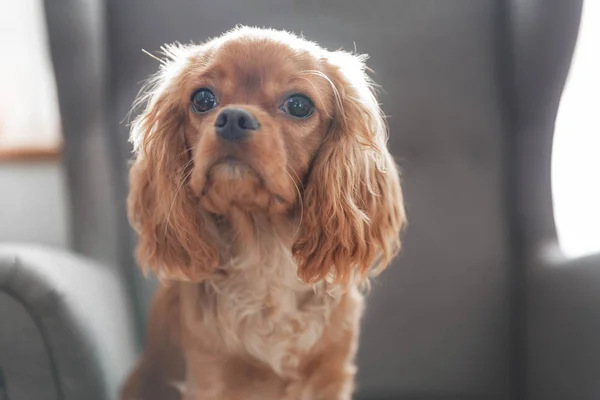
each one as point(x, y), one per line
point(161, 369)
point(328, 373)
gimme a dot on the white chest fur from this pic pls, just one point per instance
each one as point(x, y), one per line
point(256, 307)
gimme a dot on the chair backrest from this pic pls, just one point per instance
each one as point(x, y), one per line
point(94, 155)
point(471, 89)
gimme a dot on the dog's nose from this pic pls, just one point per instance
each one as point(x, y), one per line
point(235, 124)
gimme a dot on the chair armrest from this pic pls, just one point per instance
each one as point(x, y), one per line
point(82, 312)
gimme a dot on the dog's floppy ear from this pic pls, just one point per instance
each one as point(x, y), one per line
point(175, 236)
point(353, 204)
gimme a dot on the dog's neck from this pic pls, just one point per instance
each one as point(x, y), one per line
point(254, 235)
point(254, 303)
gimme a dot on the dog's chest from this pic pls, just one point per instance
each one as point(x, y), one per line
point(263, 312)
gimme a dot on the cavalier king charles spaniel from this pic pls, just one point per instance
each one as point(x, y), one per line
point(264, 197)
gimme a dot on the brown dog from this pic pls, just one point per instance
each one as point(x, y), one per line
point(263, 194)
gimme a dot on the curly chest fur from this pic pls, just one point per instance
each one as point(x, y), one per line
point(258, 309)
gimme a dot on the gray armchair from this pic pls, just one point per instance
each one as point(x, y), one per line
point(470, 310)
point(67, 328)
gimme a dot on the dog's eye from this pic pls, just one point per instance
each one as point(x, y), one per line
point(203, 100)
point(298, 106)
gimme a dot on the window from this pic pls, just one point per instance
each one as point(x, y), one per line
point(576, 149)
point(29, 118)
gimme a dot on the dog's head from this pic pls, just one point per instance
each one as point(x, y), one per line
point(263, 122)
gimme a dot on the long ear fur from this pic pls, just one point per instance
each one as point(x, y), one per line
point(353, 205)
point(175, 239)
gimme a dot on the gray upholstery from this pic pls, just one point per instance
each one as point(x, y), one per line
point(95, 167)
point(469, 86)
point(437, 322)
point(76, 40)
point(66, 330)
point(472, 309)
point(550, 295)
point(24, 363)
point(563, 328)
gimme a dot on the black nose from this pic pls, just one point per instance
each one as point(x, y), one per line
point(235, 124)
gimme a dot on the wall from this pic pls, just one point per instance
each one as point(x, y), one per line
point(33, 203)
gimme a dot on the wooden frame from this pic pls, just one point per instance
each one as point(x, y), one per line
point(30, 154)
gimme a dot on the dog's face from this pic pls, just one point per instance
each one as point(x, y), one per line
point(261, 121)
point(257, 111)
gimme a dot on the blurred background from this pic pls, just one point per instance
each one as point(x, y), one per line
point(494, 117)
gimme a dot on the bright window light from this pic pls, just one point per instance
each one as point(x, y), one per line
point(29, 116)
point(576, 148)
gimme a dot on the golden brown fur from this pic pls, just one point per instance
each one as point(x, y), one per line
point(260, 245)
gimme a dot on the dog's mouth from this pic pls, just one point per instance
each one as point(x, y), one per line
point(231, 168)
point(230, 176)
point(232, 181)
point(231, 161)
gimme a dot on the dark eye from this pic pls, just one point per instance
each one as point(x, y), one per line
point(203, 100)
point(298, 106)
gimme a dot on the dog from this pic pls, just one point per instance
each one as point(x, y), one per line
point(264, 198)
